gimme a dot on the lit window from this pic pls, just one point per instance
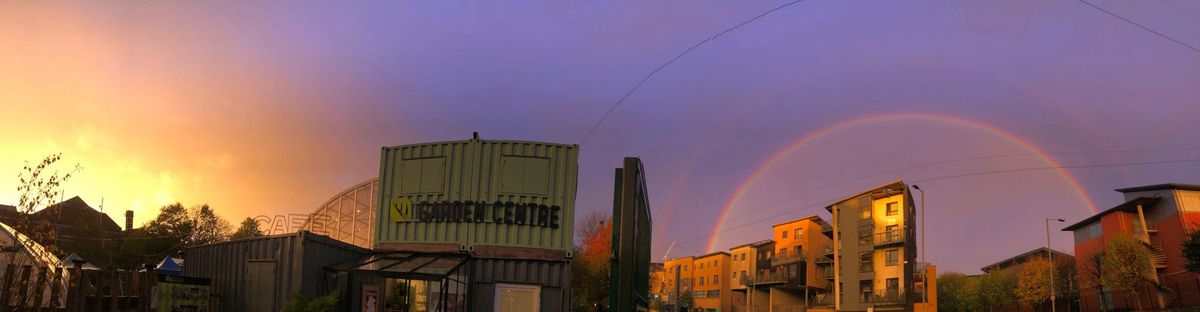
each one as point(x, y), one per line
point(893, 208)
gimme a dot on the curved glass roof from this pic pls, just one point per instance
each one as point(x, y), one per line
point(348, 216)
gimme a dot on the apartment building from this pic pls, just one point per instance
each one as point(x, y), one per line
point(743, 265)
point(678, 282)
point(1157, 215)
point(875, 253)
point(658, 282)
point(712, 292)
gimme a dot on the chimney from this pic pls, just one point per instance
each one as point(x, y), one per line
point(128, 220)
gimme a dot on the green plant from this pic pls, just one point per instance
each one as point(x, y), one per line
point(300, 303)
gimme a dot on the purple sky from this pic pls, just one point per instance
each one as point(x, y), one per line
point(299, 96)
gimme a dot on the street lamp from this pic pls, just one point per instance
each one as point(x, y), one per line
point(924, 283)
point(1050, 257)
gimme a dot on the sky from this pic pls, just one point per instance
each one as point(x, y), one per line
point(272, 107)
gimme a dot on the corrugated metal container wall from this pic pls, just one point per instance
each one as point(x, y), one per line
point(260, 274)
point(553, 277)
point(486, 171)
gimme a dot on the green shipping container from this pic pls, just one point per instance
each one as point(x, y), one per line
point(477, 192)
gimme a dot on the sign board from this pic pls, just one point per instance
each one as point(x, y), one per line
point(181, 293)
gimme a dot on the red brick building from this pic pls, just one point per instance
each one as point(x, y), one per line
point(1159, 216)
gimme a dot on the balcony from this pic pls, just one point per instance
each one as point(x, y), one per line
point(823, 260)
point(785, 259)
point(889, 238)
point(765, 279)
point(885, 297)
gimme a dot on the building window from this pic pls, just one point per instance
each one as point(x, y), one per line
point(893, 286)
point(893, 257)
point(799, 232)
point(685, 268)
point(734, 274)
point(513, 297)
point(793, 271)
point(701, 280)
point(798, 251)
point(893, 233)
point(783, 234)
point(716, 279)
point(715, 263)
point(865, 262)
point(782, 253)
point(701, 266)
point(893, 208)
point(743, 257)
point(865, 288)
point(864, 212)
point(864, 238)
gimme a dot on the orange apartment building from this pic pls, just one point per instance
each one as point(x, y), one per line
point(712, 292)
point(797, 280)
point(1159, 216)
point(679, 273)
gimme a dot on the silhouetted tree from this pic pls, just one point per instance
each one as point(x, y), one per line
point(248, 229)
point(39, 189)
point(209, 228)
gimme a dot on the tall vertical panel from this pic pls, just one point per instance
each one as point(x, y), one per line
point(479, 171)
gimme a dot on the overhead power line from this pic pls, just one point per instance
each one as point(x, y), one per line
point(672, 60)
point(1131, 22)
point(979, 173)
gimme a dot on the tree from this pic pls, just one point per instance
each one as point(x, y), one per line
point(1126, 263)
point(1033, 282)
point(1091, 270)
point(987, 292)
point(209, 228)
point(39, 189)
point(685, 300)
point(248, 229)
point(950, 291)
point(590, 270)
point(176, 227)
point(1191, 249)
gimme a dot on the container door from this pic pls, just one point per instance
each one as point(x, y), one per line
point(260, 286)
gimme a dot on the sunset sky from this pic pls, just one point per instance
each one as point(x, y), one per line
point(271, 107)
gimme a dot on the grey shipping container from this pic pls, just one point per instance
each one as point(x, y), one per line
point(260, 274)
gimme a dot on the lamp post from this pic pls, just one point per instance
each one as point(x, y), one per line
point(1050, 257)
point(924, 282)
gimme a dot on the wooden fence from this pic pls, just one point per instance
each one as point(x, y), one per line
point(33, 288)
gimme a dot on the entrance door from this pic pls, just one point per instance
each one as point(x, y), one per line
point(260, 286)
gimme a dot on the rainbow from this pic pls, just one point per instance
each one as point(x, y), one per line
point(779, 155)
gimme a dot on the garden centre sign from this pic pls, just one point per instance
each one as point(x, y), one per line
point(404, 210)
